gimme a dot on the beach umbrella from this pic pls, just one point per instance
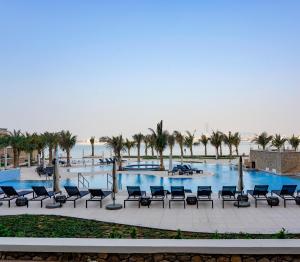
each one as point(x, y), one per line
point(240, 170)
point(114, 205)
point(56, 178)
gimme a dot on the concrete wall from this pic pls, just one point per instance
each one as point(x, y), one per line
point(279, 162)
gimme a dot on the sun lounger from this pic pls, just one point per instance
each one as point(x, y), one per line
point(177, 194)
point(74, 194)
point(158, 194)
point(97, 195)
point(228, 193)
point(40, 193)
point(287, 193)
point(134, 194)
point(204, 194)
point(10, 194)
point(183, 170)
point(259, 193)
point(198, 171)
point(173, 171)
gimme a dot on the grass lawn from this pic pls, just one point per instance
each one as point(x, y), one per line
point(58, 226)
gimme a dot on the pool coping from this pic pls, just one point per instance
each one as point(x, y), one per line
point(84, 245)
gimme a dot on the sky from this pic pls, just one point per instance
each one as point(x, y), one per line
point(118, 67)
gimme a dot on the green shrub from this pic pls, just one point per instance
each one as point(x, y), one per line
point(178, 234)
point(133, 233)
point(281, 234)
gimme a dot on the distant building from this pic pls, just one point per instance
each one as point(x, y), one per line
point(280, 162)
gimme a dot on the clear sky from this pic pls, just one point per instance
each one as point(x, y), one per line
point(110, 67)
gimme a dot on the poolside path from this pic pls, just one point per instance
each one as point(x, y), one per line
point(263, 219)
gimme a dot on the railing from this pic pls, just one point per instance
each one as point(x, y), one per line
point(83, 181)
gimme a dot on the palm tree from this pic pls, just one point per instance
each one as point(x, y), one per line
point(116, 143)
point(262, 140)
point(189, 141)
point(67, 141)
point(204, 140)
point(51, 142)
point(180, 141)
point(216, 141)
point(146, 142)
point(278, 141)
point(294, 142)
point(92, 141)
point(16, 140)
point(40, 143)
point(128, 145)
point(171, 143)
point(229, 141)
point(138, 138)
point(4, 142)
point(152, 144)
point(236, 142)
point(161, 141)
point(29, 146)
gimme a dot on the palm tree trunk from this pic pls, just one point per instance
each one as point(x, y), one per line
point(170, 159)
point(93, 153)
point(191, 150)
point(50, 155)
point(28, 159)
point(217, 153)
point(15, 152)
point(146, 150)
point(119, 161)
point(181, 154)
point(237, 150)
point(68, 158)
point(129, 152)
point(221, 151)
point(230, 150)
point(152, 150)
point(205, 150)
point(161, 161)
point(139, 156)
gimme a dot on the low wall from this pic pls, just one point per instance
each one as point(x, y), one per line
point(10, 174)
point(139, 250)
point(158, 257)
point(280, 162)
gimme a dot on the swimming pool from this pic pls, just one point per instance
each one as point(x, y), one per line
point(224, 175)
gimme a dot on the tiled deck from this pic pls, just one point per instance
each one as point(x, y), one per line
point(262, 219)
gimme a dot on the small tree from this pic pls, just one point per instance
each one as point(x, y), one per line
point(262, 140)
point(204, 140)
point(138, 138)
point(92, 141)
point(278, 141)
point(67, 141)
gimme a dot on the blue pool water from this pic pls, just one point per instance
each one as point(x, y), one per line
point(224, 175)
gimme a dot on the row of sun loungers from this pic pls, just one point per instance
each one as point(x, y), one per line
point(106, 161)
point(158, 193)
point(185, 170)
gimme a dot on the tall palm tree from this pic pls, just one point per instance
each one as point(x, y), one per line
point(138, 138)
point(236, 142)
point(152, 144)
point(116, 143)
point(4, 142)
point(128, 145)
point(189, 141)
point(278, 141)
point(229, 141)
point(92, 141)
point(51, 141)
point(204, 140)
point(171, 143)
point(29, 146)
point(161, 141)
point(67, 141)
point(16, 140)
point(40, 143)
point(294, 142)
point(180, 141)
point(262, 140)
point(216, 140)
point(146, 142)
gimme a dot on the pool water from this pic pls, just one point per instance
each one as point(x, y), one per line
point(223, 175)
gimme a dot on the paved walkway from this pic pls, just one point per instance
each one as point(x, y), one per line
point(263, 219)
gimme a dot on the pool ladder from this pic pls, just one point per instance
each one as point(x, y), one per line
point(82, 181)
